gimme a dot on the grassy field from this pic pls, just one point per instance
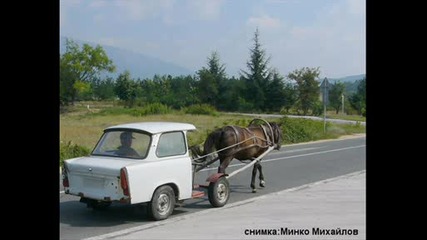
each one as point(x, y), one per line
point(81, 127)
point(333, 115)
point(84, 127)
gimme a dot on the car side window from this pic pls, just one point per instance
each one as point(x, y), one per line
point(171, 143)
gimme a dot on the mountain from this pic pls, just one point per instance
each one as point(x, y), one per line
point(352, 78)
point(139, 65)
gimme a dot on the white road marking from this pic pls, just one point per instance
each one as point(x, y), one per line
point(295, 156)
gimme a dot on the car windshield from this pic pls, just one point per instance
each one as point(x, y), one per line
point(123, 143)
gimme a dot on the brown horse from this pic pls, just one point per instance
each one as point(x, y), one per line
point(242, 144)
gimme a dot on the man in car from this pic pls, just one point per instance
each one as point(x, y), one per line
point(125, 149)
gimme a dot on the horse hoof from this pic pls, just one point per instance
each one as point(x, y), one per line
point(253, 190)
point(262, 183)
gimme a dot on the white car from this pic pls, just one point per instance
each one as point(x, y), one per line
point(146, 162)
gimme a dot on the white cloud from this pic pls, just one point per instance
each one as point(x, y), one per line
point(357, 7)
point(64, 7)
point(265, 22)
point(136, 10)
point(140, 10)
point(333, 41)
point(98, 4)
point(205, 9)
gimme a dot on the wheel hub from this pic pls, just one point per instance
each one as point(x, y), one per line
point(221, 192)
point(163, 203)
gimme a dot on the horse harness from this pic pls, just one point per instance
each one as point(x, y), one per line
point(255, 139)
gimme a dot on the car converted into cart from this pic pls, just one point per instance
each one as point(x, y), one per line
point(142, 163)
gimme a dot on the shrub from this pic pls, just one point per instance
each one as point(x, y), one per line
point(69, 150)
point(201, 109)
point(297, 130)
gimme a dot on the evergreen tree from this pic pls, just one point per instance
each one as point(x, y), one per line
point(212, 82)
point(275, 92)
point(258, 77)
point(126, 89)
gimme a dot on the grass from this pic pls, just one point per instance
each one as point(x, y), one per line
point(333, 115)
point(85, 129)
point(80, 129)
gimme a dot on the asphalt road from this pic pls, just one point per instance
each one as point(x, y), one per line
point(292, 166)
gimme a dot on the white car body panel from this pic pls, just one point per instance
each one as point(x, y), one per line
point(145, 178)
point(96, 177)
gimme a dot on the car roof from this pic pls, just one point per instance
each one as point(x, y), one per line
point(155, 127)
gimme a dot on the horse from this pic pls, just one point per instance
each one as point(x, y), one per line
point(243, 144)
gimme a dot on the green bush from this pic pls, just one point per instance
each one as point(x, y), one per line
point(69, 150)
point(297, 130)
point(201, 109)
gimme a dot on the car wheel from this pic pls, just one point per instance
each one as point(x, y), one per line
point(162, 204)
point(219, 192)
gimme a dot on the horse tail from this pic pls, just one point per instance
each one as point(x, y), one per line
point(211, 143)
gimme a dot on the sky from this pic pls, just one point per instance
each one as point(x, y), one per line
point(329, 34)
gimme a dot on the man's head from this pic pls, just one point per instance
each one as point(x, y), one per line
point(126, 138)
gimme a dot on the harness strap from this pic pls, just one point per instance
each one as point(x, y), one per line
point(255, 139)
point(267, 137)
point(237, 137)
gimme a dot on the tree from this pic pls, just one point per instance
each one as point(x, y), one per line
point(336, 92)
point(358, 99)
point(212, 82)
point(258, 76)
point(275, 92)
point(184, 92)
point(308, 87)
point(103, 89)
point(126, 89)
point(290, 97)
point(81, 65)
point(232, 96)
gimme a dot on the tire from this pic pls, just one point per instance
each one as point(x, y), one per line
point(162, 204)
point(219, 192)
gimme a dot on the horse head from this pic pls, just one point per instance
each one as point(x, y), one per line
point(196, 152)
point(277, 134)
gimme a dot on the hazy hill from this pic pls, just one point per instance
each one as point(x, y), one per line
point(350, 82)
point(143, 66)
point(139, 65)
point(352, 78)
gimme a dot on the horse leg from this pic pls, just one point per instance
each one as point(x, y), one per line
point(223, 164)
point(261, 175)
point(254, 169)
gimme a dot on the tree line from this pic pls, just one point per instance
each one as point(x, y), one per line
point(260, 88)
